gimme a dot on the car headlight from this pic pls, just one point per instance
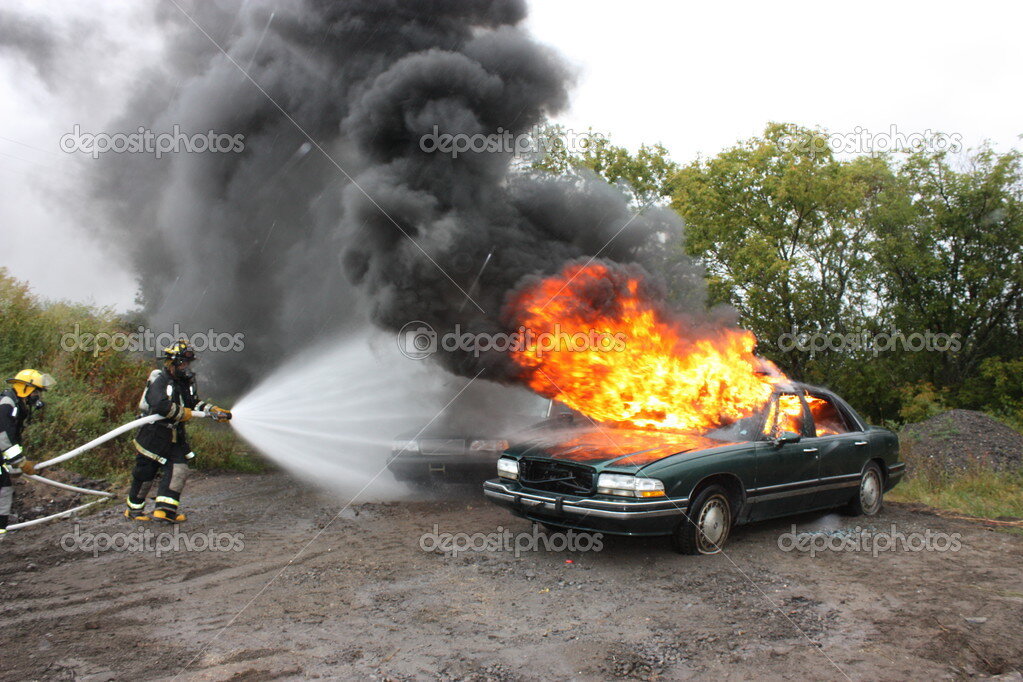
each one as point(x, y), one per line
point(624, 485)
point(508, 468)
point(494, 445)
point(400, 446)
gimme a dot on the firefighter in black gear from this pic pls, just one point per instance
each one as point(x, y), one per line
point(163, 445)
point(17, 405)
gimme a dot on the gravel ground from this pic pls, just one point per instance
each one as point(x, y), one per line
point(305, 592)
point(958, 440)
point(33, 500)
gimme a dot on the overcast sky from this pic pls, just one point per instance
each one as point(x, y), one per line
point(696, 77)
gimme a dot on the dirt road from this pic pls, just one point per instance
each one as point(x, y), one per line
point(365, 601)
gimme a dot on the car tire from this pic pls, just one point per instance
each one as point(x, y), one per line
point(870, 495)
point(708, 524)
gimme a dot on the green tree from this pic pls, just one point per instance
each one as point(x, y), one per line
point(948, 255)
point(782, 226)
point(645, 176)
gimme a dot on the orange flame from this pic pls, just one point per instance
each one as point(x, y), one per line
point(660, 375)
point(790, 416)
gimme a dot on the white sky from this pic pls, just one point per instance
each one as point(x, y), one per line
point(694, 76)
point(699, 76)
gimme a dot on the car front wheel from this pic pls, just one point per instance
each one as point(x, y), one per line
point(708, 524)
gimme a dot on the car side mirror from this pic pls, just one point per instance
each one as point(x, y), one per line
point(786, 437)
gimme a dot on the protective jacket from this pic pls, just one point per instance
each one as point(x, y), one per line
point(13, 413)
point(172, 398)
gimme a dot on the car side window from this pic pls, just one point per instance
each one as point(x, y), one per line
point(785, 413)
point(827, 418)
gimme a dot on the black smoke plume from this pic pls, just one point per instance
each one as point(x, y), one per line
point(284, 244)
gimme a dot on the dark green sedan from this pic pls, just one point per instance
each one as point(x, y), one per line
point(806, 450)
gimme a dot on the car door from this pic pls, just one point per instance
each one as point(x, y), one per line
point(842, 449)
point(787, 473)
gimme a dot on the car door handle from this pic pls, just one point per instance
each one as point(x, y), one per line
point(809, 449)
point(860, 442)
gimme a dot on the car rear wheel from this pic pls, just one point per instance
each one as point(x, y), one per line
point(707, 527)
point(870, 496)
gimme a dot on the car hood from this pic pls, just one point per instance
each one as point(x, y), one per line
point(619, 447)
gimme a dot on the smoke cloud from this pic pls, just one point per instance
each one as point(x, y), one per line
point(334, 214)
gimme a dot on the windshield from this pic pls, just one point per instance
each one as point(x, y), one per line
point(742, 430)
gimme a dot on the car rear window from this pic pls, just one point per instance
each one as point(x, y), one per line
point(827, 418)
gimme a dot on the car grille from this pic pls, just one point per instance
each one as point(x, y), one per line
point(442, 446)
point(556, 477)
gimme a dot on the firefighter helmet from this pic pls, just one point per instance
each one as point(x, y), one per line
point(28, 380)
point(178, 352)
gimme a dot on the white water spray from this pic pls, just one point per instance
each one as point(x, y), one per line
point(330, 415)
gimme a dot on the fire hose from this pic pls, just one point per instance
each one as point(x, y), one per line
point(74, 453)
point(105, 437)
point(52, 517)
point(67, 486)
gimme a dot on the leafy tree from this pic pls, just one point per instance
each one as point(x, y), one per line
point(782, 227)
point(644, 176)
point(948, 255)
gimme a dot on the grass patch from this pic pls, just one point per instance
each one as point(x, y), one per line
point(977, 491)
point(217, 448)
point(988, 494)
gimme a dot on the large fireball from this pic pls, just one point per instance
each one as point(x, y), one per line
point(621, 360)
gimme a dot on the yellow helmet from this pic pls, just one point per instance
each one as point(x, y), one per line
point(28, 380)
point(179, 351)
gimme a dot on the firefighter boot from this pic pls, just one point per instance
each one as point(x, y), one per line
point(167, 510)
point(136, 511)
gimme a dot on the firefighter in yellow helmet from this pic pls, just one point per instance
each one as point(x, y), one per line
point(17, 405)
point(163, 445)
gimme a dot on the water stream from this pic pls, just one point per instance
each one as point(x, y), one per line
point(329, 416)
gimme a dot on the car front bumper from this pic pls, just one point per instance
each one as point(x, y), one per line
point(617, 517)
point(465, 466)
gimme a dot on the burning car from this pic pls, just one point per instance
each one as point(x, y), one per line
point(805, 449)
